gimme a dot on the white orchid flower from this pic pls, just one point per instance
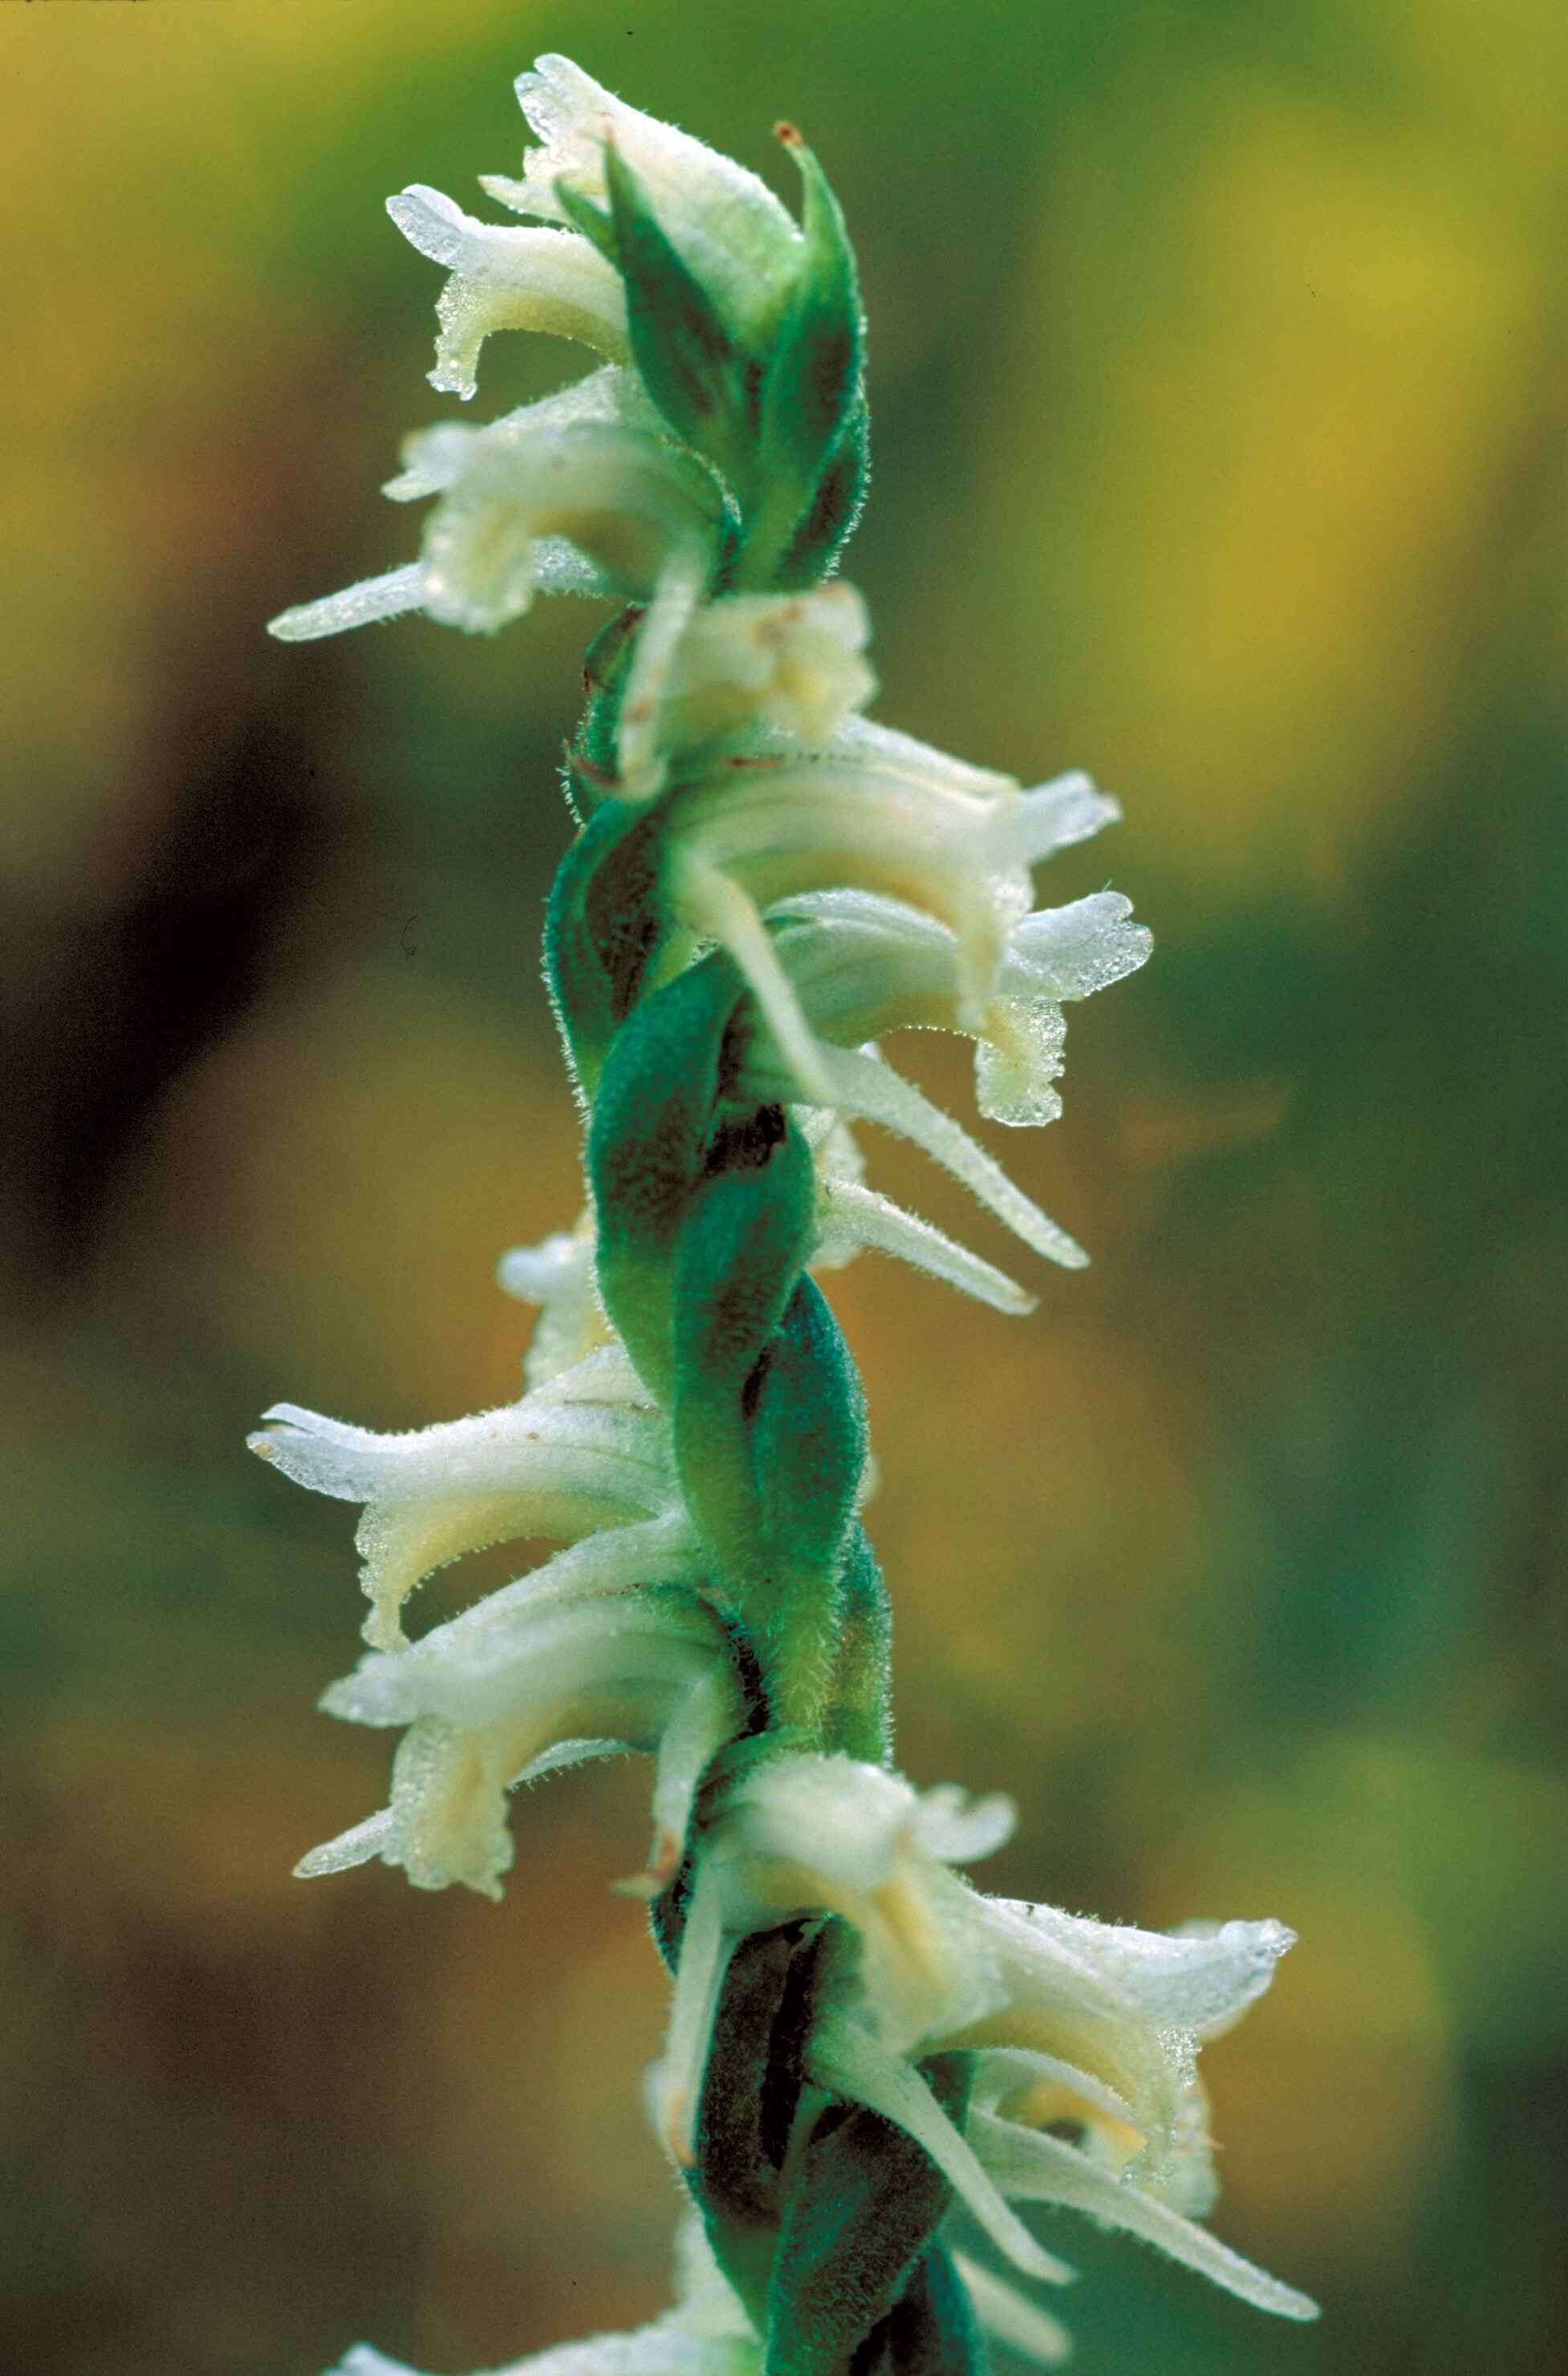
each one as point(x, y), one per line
point(563, 497)
point(706, 2333)
point(582, 1460)
point(738, 239)
point(519, 1686)
point(878, 811)
point(610, 398)
point(1085, 2091)
point(792, 662)
point(876, 884)
point(873, 811)
point(502, 277)
point(829, 1835)
point(1085, 2033)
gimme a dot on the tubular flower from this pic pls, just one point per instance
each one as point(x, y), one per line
point(811, 1834)
point(583, 506)
point(1084, 2035)
point(512, 1690)
point(732, 233)
point(706, 670)
point(504, 278)
point(877, 812)
point(581, 1460)
point(899, 882)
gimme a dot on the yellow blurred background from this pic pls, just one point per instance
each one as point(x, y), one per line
point(1217, 377)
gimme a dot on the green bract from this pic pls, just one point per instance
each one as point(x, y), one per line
point(763, 885)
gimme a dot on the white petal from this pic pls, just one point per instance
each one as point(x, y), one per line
point(867, 964)
point(1191, 1978)
point(623, 498)
point(537, 1648)
point(1018, 1060)
point(387, 597)
point(507, 278)
point(357, 1846)
point(434, 457)
point(793, 662)
point(440, 229)
point(609, 1671)
point(534, 1468)
point(1050, 818)
point(558, 1275)
point(960, 1830)
point(1043, 2169)
point(883, 746)
point(1005, 2073)
point(863, 1086)
point(849, 2062)
point(850, 1217)
point(538, 1274)
point(736, 235)
point(834, 1817)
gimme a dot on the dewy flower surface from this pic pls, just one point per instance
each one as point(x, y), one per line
point(867, 2057)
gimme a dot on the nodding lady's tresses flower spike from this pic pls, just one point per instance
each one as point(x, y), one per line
point(863, 2049)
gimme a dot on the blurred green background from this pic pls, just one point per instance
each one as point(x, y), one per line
point(1219, 369)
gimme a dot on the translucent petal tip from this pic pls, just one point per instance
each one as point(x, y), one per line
point(431, 222)
point(357, 1846)
point(373, 597)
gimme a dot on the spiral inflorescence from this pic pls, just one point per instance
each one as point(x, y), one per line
point(762, 884)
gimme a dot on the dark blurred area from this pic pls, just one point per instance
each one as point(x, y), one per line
point(1219, 387)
